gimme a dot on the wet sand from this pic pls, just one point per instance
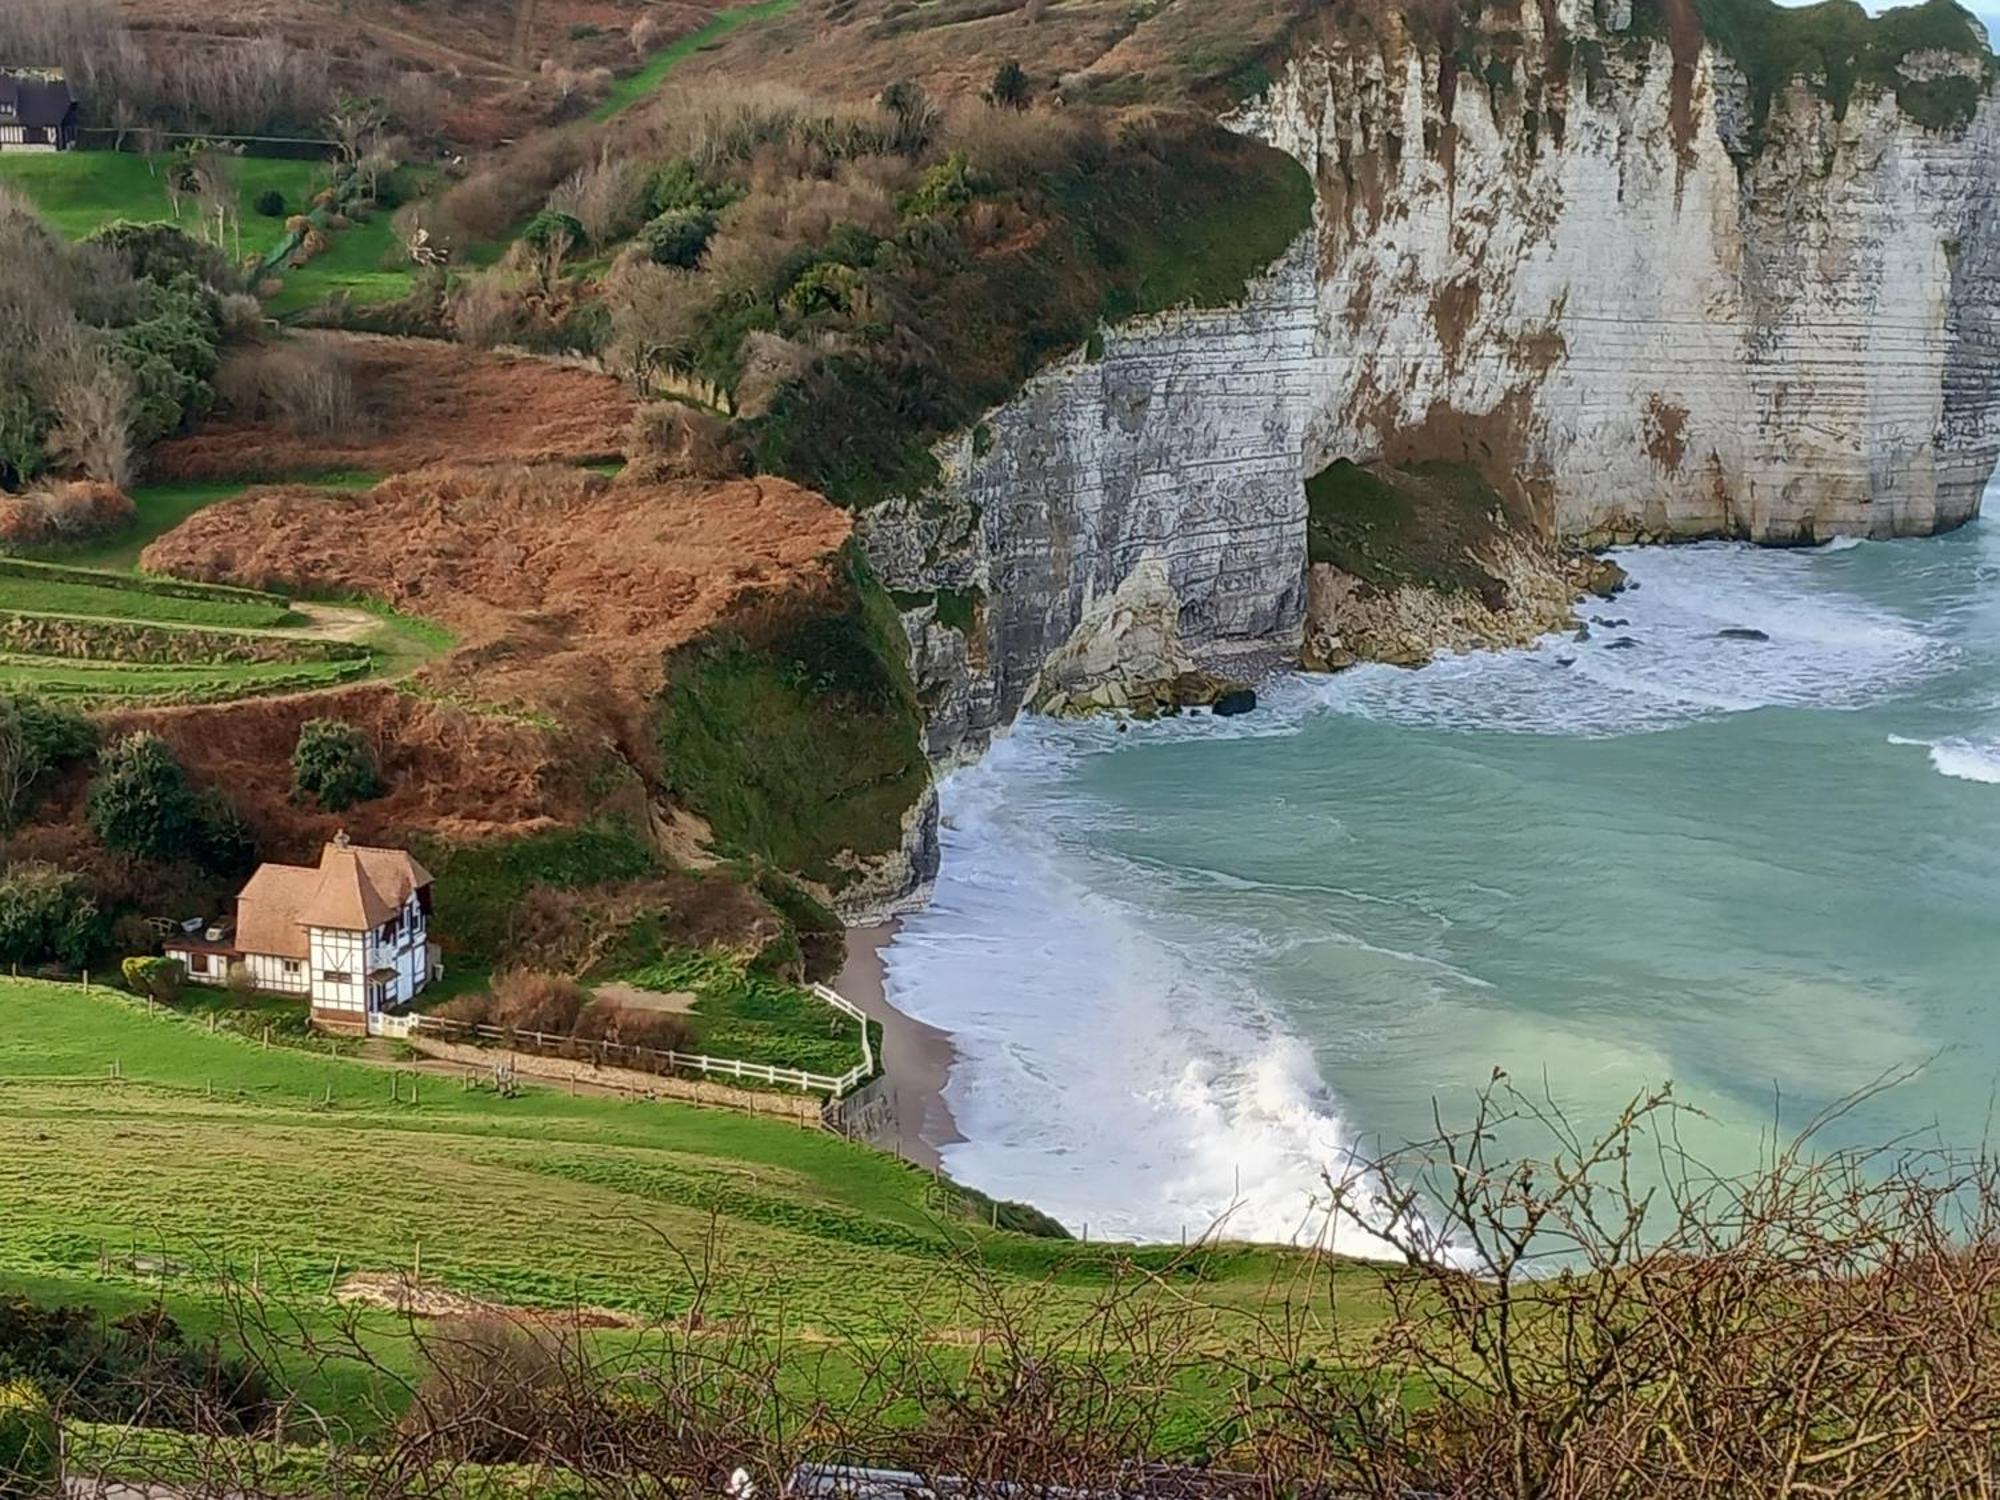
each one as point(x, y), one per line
point(918, 1058)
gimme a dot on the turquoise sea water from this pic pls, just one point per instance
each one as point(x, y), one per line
point(1192, 966)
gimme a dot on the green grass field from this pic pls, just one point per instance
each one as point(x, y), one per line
point(207, 682)
point(113, 651)
point(209, 1156)
point(61, 596)
point(363, 263)
point(79, 192)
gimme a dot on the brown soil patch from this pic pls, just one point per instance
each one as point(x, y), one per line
point(565, 588)
point(431, 402)
point(1666, 432)
point(400, 1293)
point(659, 1002)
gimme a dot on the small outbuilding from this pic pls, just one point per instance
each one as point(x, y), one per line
point(351, 933)
point(38, 112)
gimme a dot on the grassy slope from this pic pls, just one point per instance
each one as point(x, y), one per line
point(214, 1154)
point(1837, 46)
point(82, 191)
point(355, 265)
point(1422, 525)
point(47, 596)
point(629, 90)
point(805, 745)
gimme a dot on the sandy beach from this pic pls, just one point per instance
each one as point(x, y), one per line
point(918, 1057)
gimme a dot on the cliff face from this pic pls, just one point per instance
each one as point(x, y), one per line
point(1589, 268)
point(1642, 300)
point(1176, 441)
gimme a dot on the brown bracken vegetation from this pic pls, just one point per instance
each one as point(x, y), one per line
point(421, 402)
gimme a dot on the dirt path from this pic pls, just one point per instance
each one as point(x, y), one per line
point(330, 622)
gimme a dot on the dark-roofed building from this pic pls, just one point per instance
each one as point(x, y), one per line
point(352, 933)
point(37, 110)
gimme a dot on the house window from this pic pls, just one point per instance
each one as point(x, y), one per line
point(291, 966)
point(336, 976)
point(197, 963)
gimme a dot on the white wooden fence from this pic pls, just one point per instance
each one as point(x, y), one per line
point(656, 1060)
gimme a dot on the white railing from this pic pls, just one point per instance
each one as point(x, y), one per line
point(865, 1069)
point(652, 1059)
point(381, 1023)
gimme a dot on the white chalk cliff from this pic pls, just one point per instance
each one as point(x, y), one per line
point(1584, 265)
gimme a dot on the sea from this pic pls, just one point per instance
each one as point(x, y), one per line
point(1741, 843)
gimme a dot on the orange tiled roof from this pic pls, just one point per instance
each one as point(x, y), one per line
point(352, 889)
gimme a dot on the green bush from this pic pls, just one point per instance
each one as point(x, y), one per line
point(172, 354)
point(679, 237)
point(36, 737)
point(141, 802)
point(48, 915)
point(30, 1451)
point(333, 764)
point(551, 226)
point(154, 977)
point(162, 253)
point(270, 203)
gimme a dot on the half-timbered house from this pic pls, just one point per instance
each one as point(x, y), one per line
point(351, 933)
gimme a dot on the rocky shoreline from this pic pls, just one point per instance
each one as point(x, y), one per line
point(1350, 621)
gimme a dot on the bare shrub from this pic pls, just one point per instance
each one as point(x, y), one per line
point(806, 211)
point(658, 314)
point(306, 387)
point(629, 1026)
point(483, 207)
point(1019, 144)
point(672, 440)
point(473, 1009)
point(486, 309)
point(495, 1390)
point(91, 396)
point(64, 511)
point(648, 35)
point(770, 362)
point(530, 1000)
point(417, 103)
point(607, 197)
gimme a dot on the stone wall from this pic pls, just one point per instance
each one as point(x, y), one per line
point(802, 1109)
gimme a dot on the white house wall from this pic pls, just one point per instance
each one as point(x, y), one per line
point(339, 953)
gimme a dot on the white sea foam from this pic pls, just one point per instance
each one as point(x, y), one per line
point(1707, 630)
point(1962, 759)
point(1118, 1076)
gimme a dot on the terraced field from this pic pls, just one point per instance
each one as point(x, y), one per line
point(101, 636)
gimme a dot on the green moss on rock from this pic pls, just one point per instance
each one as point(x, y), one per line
point(1424, 525)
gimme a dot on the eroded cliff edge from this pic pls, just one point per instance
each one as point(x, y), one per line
point(1644, 285)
